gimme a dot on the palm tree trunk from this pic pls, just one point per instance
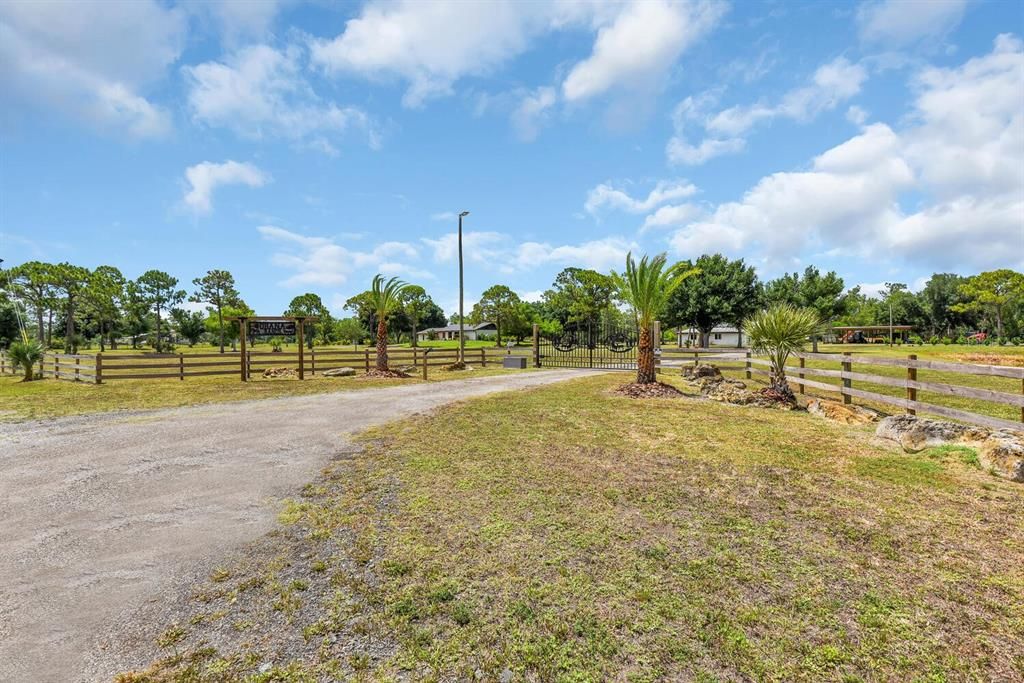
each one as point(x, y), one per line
point(382, 344)
point(645, 358)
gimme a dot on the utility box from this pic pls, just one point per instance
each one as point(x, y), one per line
point(514, 362)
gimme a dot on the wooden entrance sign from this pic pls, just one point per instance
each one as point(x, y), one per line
point(272, 326)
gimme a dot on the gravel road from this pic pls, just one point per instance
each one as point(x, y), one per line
point(106, 513)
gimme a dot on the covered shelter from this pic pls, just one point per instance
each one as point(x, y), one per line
point(871, 334)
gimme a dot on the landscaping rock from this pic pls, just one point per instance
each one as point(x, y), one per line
point(701, 370)
point(279, 372)
point(915, 434)
point(838, 412)
point(1003, 453)
point(340, 372)
point(1000, 451)
point(407, 369)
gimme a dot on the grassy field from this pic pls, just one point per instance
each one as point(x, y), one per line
point(568, 534)
point(50, 398)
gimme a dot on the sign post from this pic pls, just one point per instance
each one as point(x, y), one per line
point(263, 326)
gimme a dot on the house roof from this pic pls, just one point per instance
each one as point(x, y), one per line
point(455, 328)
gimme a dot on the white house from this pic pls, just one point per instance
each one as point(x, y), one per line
point(452, 331)
point(720, 336)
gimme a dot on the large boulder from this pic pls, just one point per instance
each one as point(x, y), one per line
point(700, 370)
point(915, 434)
point(340, 372)
point(407, 369)
point(1003, 453)
point(839, 412)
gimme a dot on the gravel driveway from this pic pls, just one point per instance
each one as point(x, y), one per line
point(106, 513)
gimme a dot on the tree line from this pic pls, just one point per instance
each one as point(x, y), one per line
point(69, 306)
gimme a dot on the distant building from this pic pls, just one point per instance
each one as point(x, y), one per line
point(452, 331)
point(720, 336)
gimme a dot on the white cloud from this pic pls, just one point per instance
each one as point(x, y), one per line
point(533, 109)
point(205, 177)
point(322, 261)
point(239, 19)
point(899, 22)
point(532, 296)
point(477, 246)
point(831, 84)
point(602, 255)
point(606, 196)
point(88, 62)
point(958, 159)
point(432, 45)
point(259, 91)
point(444, 216)
point(673, 215)
point(856, 115)
point(640, 46)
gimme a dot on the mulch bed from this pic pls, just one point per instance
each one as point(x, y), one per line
point(656, 390)
point(384, 374)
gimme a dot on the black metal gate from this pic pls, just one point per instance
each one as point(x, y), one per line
point(604, 345)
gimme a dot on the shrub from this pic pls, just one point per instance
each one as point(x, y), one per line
point(26, 354)
point(916, 339)
point(777, 332)
point(934, 340)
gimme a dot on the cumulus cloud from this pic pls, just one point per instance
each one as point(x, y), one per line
point(90, 63)
point(898, 23)
point(958, 157)
point(830, 85)
point(205, 177)
point(432, 45)
point(640, 46)
point(533, 110)
point(607, 196)
point(260, 91)
point(322, 261)
point(499, 252)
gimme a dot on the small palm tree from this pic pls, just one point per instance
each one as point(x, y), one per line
point(384, 296)
point(646, 287)
point(26, 354)
point(777, 332)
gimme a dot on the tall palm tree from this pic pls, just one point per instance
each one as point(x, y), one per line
point(384, 297)
point(646, 287)
point(777, 332)
point(26, 354)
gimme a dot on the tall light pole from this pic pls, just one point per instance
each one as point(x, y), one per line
point(462, 340)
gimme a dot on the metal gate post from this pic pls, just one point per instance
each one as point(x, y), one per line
point(536, 345)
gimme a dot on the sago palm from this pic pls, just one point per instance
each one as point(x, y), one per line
point(384, 297)
point(646, 287)
point(777, 332)
point(26, 355)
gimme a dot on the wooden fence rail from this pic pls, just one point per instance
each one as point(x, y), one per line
point(908, 381)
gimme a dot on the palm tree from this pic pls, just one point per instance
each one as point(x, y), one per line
point(777, 332)
point(26, 354)
point(384, 297)
point(646, 287)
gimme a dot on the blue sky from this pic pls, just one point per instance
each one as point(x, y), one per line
point(306, 146)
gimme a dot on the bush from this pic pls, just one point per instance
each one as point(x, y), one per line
point(934, 340)
point(947, 341)
point(486, 337)
point(916, 339)
point(26, 355)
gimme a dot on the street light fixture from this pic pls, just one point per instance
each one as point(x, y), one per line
point(462, 340)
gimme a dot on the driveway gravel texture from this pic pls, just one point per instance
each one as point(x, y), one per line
point(106, 517)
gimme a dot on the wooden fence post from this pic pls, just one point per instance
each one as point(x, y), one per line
point(366, 353)
point(299, 337)
point(802, 361)
point(243, 329)
point(483, 357)
point(748, 365)
point(312, 361)
point(99, 368)
point(911, 377)
point(425, 355)
point(536, 345)
point(56, 367)
point(78, 362)
point(181, 367)
point(847, 382)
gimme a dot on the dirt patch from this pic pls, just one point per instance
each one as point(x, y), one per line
point(655, 390)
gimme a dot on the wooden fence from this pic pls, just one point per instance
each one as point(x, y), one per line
point(113, 366)
point(904, 375)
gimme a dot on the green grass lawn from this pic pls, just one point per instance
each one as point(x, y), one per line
point(51, 398)
point(568, 534)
